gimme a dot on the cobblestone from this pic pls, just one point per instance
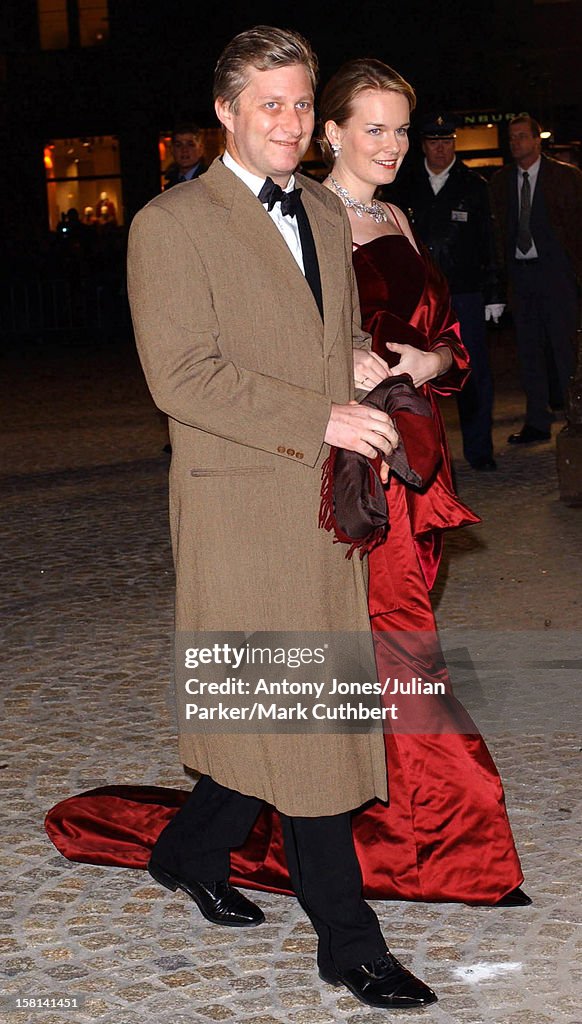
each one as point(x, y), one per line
point(87, 602)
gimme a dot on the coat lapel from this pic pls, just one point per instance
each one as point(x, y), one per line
point(540, 189)
point(330, 255)
point(512, 207)
point(248, 221)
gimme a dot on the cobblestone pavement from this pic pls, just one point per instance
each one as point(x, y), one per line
point(87, 601)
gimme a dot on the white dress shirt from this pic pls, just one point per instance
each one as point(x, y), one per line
point(286, 225)
point(438, 180)
point(533, 172)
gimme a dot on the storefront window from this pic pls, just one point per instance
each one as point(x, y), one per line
point(84, 175)
point(475, 137)
point(212, 146)
point(478, 146)
point(62, 24)
point(93, 22)
point(53, 24)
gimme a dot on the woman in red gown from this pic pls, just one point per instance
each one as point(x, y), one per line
point(445, 833)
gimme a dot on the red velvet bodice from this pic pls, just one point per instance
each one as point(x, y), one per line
point(390, 275)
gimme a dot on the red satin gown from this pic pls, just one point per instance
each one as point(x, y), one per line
point(445, 835)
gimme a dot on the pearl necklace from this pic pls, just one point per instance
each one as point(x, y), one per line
point(374, 210)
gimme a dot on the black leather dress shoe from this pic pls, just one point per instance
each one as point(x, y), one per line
point(515, 898)
point(529, 435)
point(383, 982)
point(485, 463)
point(218, 902)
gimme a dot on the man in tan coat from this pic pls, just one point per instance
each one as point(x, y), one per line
point(249, 344)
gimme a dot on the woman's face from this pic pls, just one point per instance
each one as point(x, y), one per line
point(374, 141)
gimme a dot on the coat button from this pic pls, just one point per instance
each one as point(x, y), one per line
point(281, 449)
point(298, 455)
point(290, 451)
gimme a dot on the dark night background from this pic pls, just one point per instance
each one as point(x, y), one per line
point(156, 66)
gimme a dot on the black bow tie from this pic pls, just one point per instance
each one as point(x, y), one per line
point(272, 193)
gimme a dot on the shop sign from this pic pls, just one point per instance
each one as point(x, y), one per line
point(470, 119)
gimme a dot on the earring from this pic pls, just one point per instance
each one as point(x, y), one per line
point(336, 149)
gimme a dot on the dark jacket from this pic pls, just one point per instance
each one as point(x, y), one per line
point(455, 225)
point(558, 190)
point(173, 173)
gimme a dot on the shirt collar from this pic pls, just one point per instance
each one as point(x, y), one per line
point(189, 175)
point(252, 181)
point(441, 174)
point(533, 170)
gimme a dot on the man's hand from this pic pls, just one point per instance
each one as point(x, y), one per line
point(369, 369)
point(362, 429)
point(422, 366)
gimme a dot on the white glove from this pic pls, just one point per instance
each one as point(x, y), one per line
point(493, 311)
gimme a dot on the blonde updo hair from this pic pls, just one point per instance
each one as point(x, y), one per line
point(356, 76)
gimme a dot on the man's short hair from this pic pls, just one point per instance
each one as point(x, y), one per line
point(186, 128)
point(263, 48)
point(533, 125)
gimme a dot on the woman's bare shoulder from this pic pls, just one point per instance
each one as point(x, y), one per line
point(400, 220)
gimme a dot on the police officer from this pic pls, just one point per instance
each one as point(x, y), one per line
point(449, 207)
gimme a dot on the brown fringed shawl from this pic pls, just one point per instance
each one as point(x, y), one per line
point(353, 501)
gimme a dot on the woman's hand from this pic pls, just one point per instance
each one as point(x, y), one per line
point(422, 366)
point(369, 369)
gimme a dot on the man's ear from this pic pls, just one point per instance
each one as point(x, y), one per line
point(223, 111)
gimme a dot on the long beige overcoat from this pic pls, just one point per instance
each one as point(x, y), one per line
point(235, 352)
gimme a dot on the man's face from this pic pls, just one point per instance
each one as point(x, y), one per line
point(272, 127)
point(439, 153)
point(186, 149)
point(525, 147)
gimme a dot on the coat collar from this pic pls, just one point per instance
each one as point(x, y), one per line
point(248, 221)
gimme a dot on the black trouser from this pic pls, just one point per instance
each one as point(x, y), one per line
point(475, 401)
point(545, 314)
point(320, 854)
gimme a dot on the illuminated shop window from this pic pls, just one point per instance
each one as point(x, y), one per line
point(93, 22)
point(84, 174)
point(475, 137)
point(53, 24)
point(62, 24)
point(212, 146)
point(480, 141)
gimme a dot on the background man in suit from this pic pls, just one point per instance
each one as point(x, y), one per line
point(449, 207)
point(248, 346)
point(187, 150)
point(538, 208)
